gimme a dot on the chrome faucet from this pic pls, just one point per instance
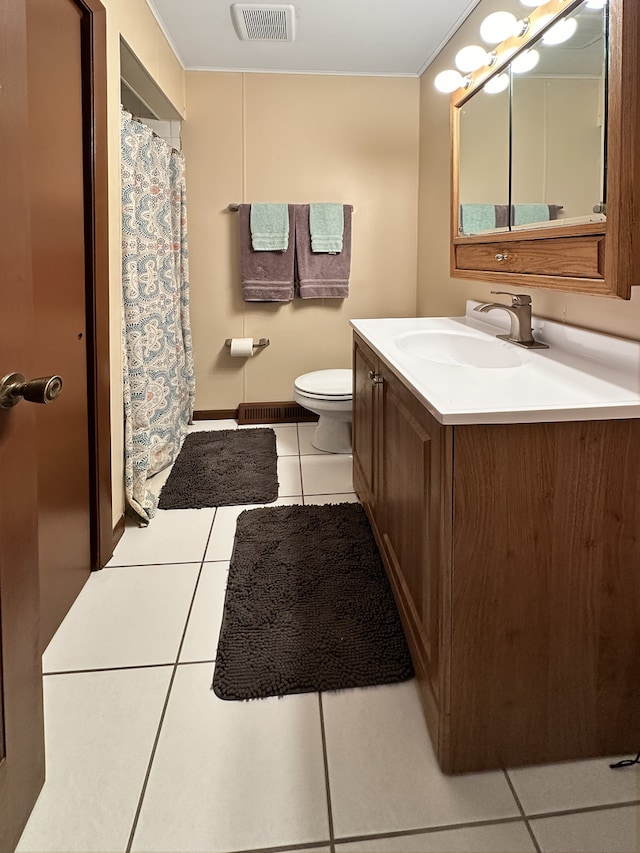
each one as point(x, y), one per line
point(520, 316)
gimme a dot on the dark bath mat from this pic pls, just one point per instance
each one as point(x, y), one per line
point(221, 468)
point(308, 606)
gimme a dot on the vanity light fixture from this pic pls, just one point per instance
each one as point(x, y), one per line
point(500, 26)
point(450, 80)
point(525, 61)
point(496, 84)
point(496, 28)
point(472, 57)
point(560, 32)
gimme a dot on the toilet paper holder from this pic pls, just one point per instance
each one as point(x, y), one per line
point(263, 342)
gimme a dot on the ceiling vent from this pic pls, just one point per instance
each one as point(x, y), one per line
point(263, 22)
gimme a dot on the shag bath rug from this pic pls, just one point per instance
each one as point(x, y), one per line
point(223, 468)
point(308, 606)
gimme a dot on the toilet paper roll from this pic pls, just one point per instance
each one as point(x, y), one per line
point(241, 347)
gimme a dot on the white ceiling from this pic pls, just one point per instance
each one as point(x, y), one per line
point(381, 37)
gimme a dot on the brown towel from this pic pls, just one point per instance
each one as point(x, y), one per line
point(266, 276)
point(322, 276)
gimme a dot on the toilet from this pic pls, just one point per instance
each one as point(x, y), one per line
point(328, 393)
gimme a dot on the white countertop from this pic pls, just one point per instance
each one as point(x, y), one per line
point(583, 375)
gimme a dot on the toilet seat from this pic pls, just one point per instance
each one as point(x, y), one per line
point(335, 384)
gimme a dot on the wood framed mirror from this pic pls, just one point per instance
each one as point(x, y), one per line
point(546, 161)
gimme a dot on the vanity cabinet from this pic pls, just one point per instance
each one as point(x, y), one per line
point(513, 551)
point(402, 493)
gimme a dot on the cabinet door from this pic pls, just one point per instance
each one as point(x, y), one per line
point(415, 520)
point(365, 367)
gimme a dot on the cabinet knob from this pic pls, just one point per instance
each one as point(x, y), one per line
point(375, 379)
point(502, 257)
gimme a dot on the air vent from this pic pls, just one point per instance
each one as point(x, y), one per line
point(263, 22)
point(273, 413)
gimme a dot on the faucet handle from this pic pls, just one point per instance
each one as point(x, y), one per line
point(516, 298)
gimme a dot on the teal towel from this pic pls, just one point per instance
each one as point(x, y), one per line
point(477, 217)
point(326, 224)
point(269, 227)
point(525, 213)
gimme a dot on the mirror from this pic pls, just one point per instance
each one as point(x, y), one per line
point(484, 162)
point(533, 155)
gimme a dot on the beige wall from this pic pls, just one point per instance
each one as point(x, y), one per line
point(295, 139)
point(438, 293)
point(133, 20)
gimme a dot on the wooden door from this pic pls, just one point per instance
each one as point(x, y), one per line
point(57, 173)
point(39, 335)
point(21, 731)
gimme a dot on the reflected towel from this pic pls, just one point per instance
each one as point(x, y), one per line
point(321, 276)
point(266, 276)
point(477, 217)
point(326, 224)
point(524, 214)
point(269, 227)
point(485, 217)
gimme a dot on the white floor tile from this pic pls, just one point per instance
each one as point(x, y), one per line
point(207, 426)
point(234, 775)
point(289, 480)
point(100, 728)
point(203, 628)
point(575, 785)
point(605, 831)
point(286, 440)
point(125, 617)
point(383, 774)
point(173, 536)
point(155, 483)
point(498, 838)
point(224, 527)
point(286, 437)
point(305, 434)
point(328, 474)
point(320, 500)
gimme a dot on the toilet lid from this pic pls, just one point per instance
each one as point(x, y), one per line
point(326, 383)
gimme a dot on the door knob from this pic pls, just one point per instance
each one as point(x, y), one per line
point(14, 387)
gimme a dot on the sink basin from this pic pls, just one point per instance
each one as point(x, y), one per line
point(459, 349)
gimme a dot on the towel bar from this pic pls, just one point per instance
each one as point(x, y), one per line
point(263, 342)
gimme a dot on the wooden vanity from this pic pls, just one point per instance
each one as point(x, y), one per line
point(513, 550)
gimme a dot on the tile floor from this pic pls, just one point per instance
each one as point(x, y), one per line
point(142, 756)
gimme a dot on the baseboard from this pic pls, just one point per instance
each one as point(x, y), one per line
point(259, 413)
point(216, 415)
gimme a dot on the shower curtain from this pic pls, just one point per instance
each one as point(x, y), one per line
point(159, 385)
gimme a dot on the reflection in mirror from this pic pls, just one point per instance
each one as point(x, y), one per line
point(558, 125)
point(483, 172)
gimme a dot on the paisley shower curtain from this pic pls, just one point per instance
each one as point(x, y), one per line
point(159, 385)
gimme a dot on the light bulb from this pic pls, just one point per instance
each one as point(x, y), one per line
point(448, 81)
point(531, 3)
point(496, 84)
point(560, 32)
point(498, 27)
point(525, 61)
point(471, 57)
